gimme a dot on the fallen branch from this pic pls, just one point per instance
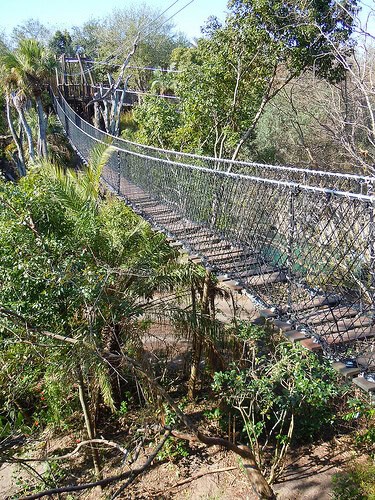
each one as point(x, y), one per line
point(74, 452)
point(132, 474)
point(135, 473)
point(10, 313)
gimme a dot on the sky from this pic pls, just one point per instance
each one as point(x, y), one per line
point(57, 14)
point(64, 14)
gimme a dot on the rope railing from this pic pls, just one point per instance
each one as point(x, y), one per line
point(340, 181)
point(306, 250)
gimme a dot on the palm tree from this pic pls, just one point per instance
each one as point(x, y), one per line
point(25, 74)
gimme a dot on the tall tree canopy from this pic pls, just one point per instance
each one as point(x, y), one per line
point(226, 81)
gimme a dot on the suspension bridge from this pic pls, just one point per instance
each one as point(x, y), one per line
point(300, 242)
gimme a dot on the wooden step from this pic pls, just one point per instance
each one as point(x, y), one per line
point(160, 211)
point(282, 325)
point(311, 345)
point(345, 371)
point(327, 314)
point(235, 253)
point(364, 384)
point(236, 265)
point(202, 236)
point(313, 303)
point(266, 279)
point(343, 326)
point(366, 360)
point(186, 229)
point(294, 335)
point(254, 271)
point(349, 336)
point(165, 219)
point(212, 245)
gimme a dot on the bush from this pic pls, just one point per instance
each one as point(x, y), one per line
point(356, 483)
point(282, 392)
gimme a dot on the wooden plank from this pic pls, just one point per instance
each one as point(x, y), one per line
point(345, 371)
point(203, 238)
point(364, 384)
point(254, 271)
point(233, 255)
point(294, 335)
point(349, 336)
point(282, 325)
point(311, 345)
point(207, 245)
point(367, 360)
point(266, 279)
point(327, 314)
point(343, 326)
point(314, 303)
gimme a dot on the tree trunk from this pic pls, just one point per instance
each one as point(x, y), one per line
point(21, 159)
point(96, 115)
point(198, 339)
point(42, 122)
point(88, 423)
point(28, 133)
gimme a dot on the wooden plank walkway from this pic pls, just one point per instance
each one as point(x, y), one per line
point(320, 322)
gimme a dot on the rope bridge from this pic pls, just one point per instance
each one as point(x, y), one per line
point(299, 247)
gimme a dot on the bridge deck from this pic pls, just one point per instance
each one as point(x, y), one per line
point(306, 251)
point(333, 323)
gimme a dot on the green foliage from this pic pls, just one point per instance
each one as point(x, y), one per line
point(157, 120)
point(355, 483)
point(174, 449)
point(362, 413)
point(302, 33)
point(281, 377)
point(29, 485)
point(27, 68)
point(61, 43)
point(31, 28)
point(226, 80)
point(79, 267)
point(282, 393)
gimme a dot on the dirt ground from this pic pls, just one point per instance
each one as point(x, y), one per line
point(308, 476)
point(207, 474)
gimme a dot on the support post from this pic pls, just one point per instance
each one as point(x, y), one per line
point(291, 239)
point(371, 250)
point(118, 173)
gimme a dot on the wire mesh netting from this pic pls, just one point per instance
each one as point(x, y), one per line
point(305, 250)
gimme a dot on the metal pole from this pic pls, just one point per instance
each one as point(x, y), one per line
point(371, 243)
point(118, 173)
point(291, 238)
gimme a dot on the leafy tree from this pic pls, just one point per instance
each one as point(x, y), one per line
point(31, 28)
point(87, 37)
point(118, 31)
point(61, 43)
point(78, 276)
point(25, 73)
point(282, 393)
point(226, 81)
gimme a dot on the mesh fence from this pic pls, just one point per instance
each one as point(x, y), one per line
point(339, 181)
point(305, 250)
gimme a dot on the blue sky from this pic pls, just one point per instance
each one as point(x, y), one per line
point(68, 13)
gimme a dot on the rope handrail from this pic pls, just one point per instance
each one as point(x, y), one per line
point(320, 173)
point(234, 175)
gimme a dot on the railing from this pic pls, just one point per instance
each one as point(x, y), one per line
point(340, 181)
point(306, 250)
